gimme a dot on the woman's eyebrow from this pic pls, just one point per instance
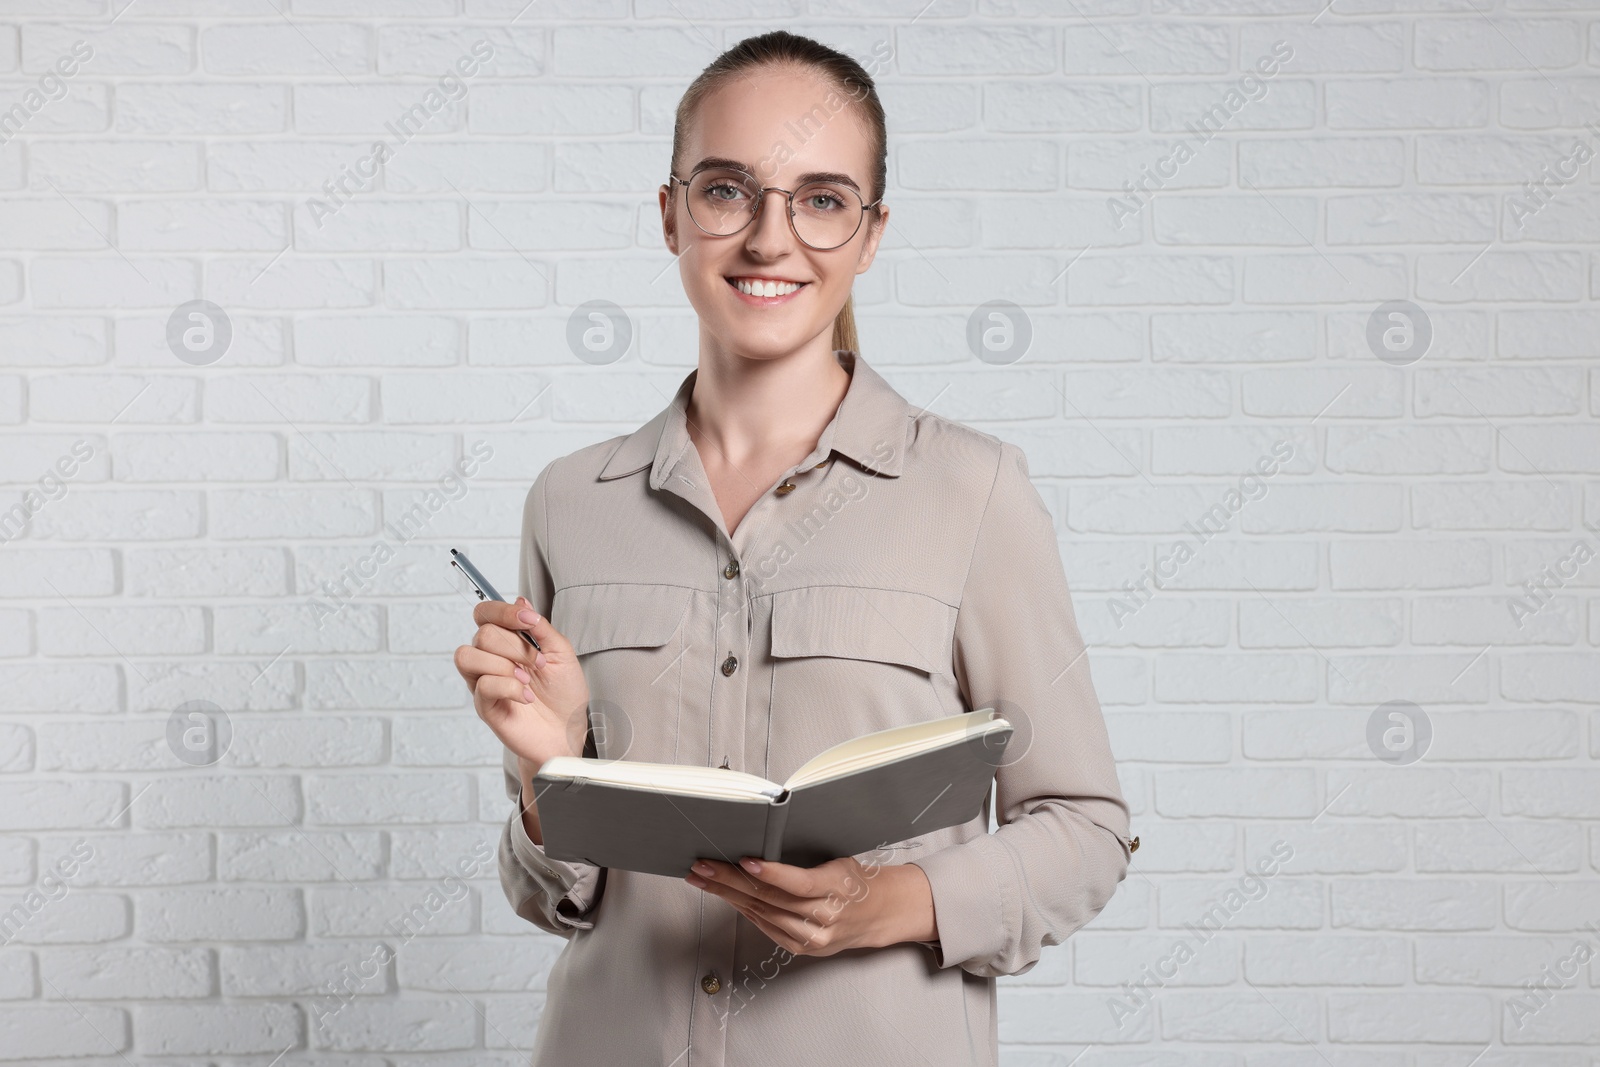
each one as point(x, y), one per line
point(723, 163)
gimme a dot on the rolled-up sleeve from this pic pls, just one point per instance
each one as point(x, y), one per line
point(1061, 848)
point(554, 895)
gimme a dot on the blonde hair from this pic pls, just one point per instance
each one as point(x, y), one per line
point(781, 48)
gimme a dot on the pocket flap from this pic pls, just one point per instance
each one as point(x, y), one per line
point(619, 614)
point(883, 625)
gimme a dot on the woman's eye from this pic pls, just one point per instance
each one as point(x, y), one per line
point(825, 202)
point(723, 191)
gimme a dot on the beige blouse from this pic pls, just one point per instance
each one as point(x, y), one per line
point(907, 569)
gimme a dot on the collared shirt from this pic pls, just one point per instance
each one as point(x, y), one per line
point(906, 569)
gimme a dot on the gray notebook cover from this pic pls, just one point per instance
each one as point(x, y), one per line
point(654, 832)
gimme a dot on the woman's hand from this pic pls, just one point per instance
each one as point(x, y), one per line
point(535, 702)
point(817, 911)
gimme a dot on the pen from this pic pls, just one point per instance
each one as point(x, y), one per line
point(484, 589)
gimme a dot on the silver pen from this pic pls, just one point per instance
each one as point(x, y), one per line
point(484, 589)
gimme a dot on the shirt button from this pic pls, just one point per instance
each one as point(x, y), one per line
point(711, 983)
point(786, 488)
point(731, 570)
point(730, 665)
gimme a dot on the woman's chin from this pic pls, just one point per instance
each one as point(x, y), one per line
point(766, 340)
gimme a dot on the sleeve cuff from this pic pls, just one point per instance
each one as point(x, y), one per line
point(969, 904)
point(572, 886)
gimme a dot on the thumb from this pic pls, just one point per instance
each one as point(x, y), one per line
point(543, 630)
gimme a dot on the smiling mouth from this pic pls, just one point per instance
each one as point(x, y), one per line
point(768, 288)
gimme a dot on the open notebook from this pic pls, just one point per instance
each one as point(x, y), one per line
point(857, 796)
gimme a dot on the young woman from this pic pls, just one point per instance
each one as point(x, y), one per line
point(788, 556)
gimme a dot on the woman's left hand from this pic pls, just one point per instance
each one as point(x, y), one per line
point(818, 911)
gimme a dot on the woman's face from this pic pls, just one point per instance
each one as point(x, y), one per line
point(781, 126)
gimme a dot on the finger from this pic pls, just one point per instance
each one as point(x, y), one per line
point(504, 643)
point(520, 615)
point(792, 931)
point(751, 885)
point(796, 883)
point(499, 613)
point(775, 914)
point(493, 688)
point(476, 662)
point(778, 936)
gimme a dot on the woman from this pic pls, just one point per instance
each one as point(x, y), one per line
point(788, 556)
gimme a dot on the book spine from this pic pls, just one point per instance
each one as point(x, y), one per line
point(777, 816)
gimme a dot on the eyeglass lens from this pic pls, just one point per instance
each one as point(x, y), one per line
point(826, 214)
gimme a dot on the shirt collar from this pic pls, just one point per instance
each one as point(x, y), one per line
point(870, 427)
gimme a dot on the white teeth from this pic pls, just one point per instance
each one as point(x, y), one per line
point(765, 288)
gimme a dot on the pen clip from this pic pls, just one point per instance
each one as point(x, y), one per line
point(481, 594)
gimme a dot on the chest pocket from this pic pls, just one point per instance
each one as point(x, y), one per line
point(621, 632)
point(876, 625)
point(619, 614)
point(848, 661)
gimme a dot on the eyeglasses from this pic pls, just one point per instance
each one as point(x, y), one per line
point(823, 215)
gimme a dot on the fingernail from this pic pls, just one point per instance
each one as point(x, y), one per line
point(753, 866)
point(527, 616)
point(538, 660)
point(698, 883)
point(703, 868)
point(522, 675)
point(527, 694)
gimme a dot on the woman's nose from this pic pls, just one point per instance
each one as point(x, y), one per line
point(771, 226)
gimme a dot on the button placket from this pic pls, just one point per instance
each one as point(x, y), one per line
point(718, 936)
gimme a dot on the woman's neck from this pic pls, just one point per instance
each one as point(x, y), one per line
point(747, 411)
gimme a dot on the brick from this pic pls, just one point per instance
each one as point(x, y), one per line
point(1290, 162)
point(220, 913)
point(126, 973)
point(1349, 960)
point(1429, 103)
point(38, 1031)
point(287, 49)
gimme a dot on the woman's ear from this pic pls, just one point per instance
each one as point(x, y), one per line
point(875, 230)
point(669, 218)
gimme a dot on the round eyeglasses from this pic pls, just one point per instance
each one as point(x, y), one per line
point(823, 215)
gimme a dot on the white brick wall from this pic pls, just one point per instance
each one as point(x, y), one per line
point(190, 527)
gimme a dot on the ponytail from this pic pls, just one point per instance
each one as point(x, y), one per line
point(844, 326)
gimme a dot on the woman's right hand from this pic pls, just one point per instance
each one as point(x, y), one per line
point(535, 702)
